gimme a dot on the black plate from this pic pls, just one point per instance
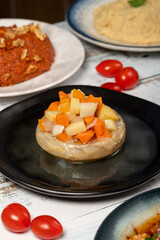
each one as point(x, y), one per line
point(24, 162)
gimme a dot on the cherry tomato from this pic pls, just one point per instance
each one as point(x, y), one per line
point(109, 68)
point(46, 227)
point(112, 86)
point(128, 78)
point(16, 217)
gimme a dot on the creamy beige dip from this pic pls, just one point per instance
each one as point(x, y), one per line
point(120, 21)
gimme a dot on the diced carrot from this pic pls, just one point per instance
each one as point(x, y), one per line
point(53, 106)
point(91, 98)
point(88, 120)
point(40, 123)
point(78, 94)
point(63, 137)
point(84, 137)
point(64, 105)
point(62, 119)
point(99, 127)
point(106, 133)
point(63, 95)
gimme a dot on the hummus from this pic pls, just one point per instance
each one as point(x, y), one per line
point(120, 21)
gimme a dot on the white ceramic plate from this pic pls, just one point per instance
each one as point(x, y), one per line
point(80, 19)
point(69, 57)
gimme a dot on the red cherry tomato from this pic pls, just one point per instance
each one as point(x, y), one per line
point(46, 227)
point(128, 78)
point(16, 217)
point(112, 86)
point(109, 68)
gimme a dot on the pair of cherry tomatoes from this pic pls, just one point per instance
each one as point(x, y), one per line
point(16, 218)
point(125, 78)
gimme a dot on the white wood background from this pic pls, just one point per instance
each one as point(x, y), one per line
point(81, 218)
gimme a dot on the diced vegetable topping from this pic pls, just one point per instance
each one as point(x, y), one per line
point(64, 105)
point(79, 117)
point(84, 137)
point(62, 119)
point(99, 127)
point(53, 106)
point(75, 105)
point(87, 109)
point(63, 137)
point(57, 129)
point(78, 94)
point(51, 115)
point(40, 122)
point(88, 120)
point(63, 95)
point(75, 128)
point(106, 113)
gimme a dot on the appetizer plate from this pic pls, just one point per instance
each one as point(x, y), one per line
point(80, 19)
point(69, 58)
point(24, 162)
point(132, 213)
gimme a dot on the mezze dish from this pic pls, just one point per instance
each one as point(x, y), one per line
point(123, 21)
point(148, 230)
point(80, 128)
point(25, 52)
point(138, 218)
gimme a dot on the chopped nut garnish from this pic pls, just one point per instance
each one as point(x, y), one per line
point(37, 58)
point(32, 68)
point(9, 33)
point(37, 31)
point(18, 43)
point(24, 54)
point(2, 43)
point(6, 76)
point(22, 30)
point(12, 32)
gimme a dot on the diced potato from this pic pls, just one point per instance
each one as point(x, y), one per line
point(75, 106)
point(75, 128)
point(51, 115)
point(76, 119)
point(110, 124)
point(105, 113)
point(88, 109)
point(71, 116)
point(57, 129)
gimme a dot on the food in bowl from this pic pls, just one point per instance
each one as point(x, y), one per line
point(80, 128)
point(25, 52)
point(120, 21)
point(148, 230)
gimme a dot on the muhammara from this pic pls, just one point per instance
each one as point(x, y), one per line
point(25, 52)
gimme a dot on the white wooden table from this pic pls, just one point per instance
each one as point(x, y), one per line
point(81, 218)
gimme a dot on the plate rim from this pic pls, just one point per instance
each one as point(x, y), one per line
point(74, 194)
point(114, 46)
point(50, 85)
